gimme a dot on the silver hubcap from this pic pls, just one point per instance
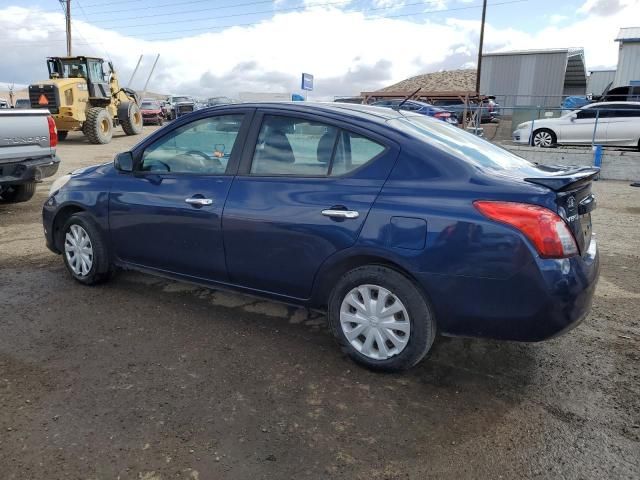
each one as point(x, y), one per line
point(375, 322)
point(542, 139)
point(78, 250)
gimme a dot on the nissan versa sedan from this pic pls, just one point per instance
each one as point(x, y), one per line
point(399, 225)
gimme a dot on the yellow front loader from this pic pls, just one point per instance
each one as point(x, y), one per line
point(81, 95)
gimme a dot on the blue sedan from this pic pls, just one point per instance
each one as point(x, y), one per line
point(398, 225)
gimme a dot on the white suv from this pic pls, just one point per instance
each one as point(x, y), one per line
point(618, 123)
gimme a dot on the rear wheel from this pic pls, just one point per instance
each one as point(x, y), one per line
point(62, 135)
point(132, 122)
point(98, 126)
point(544, 138)
point(381, 319)
point(18, 193)
point(84, 251)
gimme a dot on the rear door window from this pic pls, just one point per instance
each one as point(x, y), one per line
point(300, 147)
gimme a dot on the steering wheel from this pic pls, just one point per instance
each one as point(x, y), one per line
point(163, 164)
point(214, 161)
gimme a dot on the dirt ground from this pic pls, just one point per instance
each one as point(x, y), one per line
point(148, 379)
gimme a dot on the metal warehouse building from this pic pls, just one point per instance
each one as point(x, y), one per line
point(599, 80)
point(628, 72)
point(534, 77)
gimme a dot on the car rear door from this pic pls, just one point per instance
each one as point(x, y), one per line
point(302, 194)
point(624, 124)
point(166, 215)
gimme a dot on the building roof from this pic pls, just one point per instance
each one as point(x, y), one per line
point(544, 51)
point(446, 81)
point(629, 34)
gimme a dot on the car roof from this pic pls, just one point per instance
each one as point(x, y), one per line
point(599, 104)
point(366, 112)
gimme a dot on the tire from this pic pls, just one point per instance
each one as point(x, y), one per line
point(160, 121)
point(543, 138)
point(98, 126)
point(62, 135)
point(132, 122)
point(18, 193)
point(401, 354)
point(100, 267)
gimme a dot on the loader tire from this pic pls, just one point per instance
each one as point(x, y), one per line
point(132, 121)
point(62, 135)
point(98, 126)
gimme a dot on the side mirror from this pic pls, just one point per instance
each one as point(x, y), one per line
point(123, 162)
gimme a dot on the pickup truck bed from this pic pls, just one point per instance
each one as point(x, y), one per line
point(28, 142)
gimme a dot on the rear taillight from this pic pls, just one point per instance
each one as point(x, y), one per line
point(548, 232)
point(53, 132)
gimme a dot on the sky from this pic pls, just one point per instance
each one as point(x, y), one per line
point(222, 47)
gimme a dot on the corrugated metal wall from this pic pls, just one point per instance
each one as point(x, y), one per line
point(525, 79)
point(628, 63)
point(599, 80)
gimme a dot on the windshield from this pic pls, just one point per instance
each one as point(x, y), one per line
point(74, 69)
point(150, 105)
point(461, 144)
point(181, 99)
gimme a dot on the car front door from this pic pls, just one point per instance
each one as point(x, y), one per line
point(166, 215)
point(302, 194)
point(578, 127)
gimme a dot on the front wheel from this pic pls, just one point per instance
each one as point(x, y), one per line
point(544, 138)
point(84, 250)
point(381, 319)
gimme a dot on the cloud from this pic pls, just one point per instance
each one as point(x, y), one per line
point(601, 7)
point(346, 51)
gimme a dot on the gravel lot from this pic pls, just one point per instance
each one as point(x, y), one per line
point(143, 378)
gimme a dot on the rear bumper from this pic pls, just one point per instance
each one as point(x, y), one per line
point(28, 171)
point(545, 299)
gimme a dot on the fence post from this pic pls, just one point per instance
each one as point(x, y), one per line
point(533, 122)
point(595, 127)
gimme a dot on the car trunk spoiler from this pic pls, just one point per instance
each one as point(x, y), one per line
point(565, 179)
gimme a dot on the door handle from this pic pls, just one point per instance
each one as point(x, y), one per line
point(199, 202)
point(340, 213)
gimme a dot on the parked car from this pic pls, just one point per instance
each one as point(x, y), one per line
point(22, 103)
point(4, 103)
point(214, 101)
point(27, 152)
point(151, 112)
point(605, 123)
point(418, 107)
point(178, 105)
point(395, 223)
point(489, 112)
point(628, 93)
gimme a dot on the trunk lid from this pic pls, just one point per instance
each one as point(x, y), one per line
point(574, 198)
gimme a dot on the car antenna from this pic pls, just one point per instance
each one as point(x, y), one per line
point(408, 97)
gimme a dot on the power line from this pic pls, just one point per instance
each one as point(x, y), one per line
point(189, 2)
point(259, 12)
point(251, 24)
point(218, 27)
point(301, 8)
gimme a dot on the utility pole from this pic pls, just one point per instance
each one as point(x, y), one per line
point(68, 19)
point(484, 15)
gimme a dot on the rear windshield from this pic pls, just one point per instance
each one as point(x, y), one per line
point(461, 144)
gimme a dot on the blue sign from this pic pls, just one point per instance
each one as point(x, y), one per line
point(307, 81)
